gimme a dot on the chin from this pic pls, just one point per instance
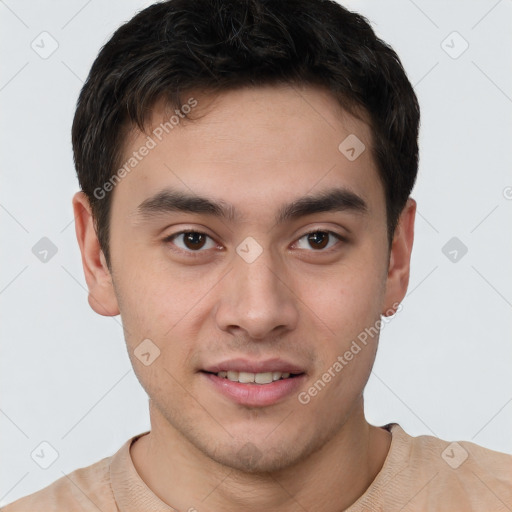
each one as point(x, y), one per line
point(262, 456)
point(256, 460)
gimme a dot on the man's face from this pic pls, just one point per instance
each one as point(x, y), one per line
point(252, 291)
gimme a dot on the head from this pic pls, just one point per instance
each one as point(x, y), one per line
point(284, 133)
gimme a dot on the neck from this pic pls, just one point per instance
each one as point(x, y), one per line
point(330, 479)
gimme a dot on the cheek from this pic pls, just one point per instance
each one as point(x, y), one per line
point(349, 298)
point(160, 349)
point(350, 306)
point(157, 309)
point(152, 300)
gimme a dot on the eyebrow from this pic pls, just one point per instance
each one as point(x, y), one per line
point(331, 200)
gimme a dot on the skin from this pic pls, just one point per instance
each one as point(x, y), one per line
point(256, 149)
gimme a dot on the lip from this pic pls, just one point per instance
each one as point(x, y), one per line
point(246, 365)
point(255, 395)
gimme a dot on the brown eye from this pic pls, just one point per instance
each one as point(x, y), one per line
point(318, 240)
point(194, 240)
point(191, 241)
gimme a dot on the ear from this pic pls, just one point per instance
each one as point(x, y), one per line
point(399, 260)
point(102, 297)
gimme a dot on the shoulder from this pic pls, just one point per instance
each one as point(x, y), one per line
point(444, 475)
point(85, 489)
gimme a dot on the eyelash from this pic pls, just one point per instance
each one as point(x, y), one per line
point(194, 254)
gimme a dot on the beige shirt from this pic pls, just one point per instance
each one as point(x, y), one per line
point(419, 474)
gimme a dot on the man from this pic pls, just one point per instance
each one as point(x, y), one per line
point(245, 168)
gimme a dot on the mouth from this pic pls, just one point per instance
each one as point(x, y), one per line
point(254, 383)
point(254, 378)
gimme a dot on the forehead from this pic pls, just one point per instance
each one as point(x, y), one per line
point(251, 147)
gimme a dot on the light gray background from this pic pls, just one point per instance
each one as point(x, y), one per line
point(443, 366)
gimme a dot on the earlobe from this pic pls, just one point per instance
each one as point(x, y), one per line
point(400, 258)
point(102, 297)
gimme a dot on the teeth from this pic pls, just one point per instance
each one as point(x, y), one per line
point(246, 377)
point(233, 376)
point(263, 378)
point(255, 378)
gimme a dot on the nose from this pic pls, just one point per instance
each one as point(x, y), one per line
point(257, 299)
